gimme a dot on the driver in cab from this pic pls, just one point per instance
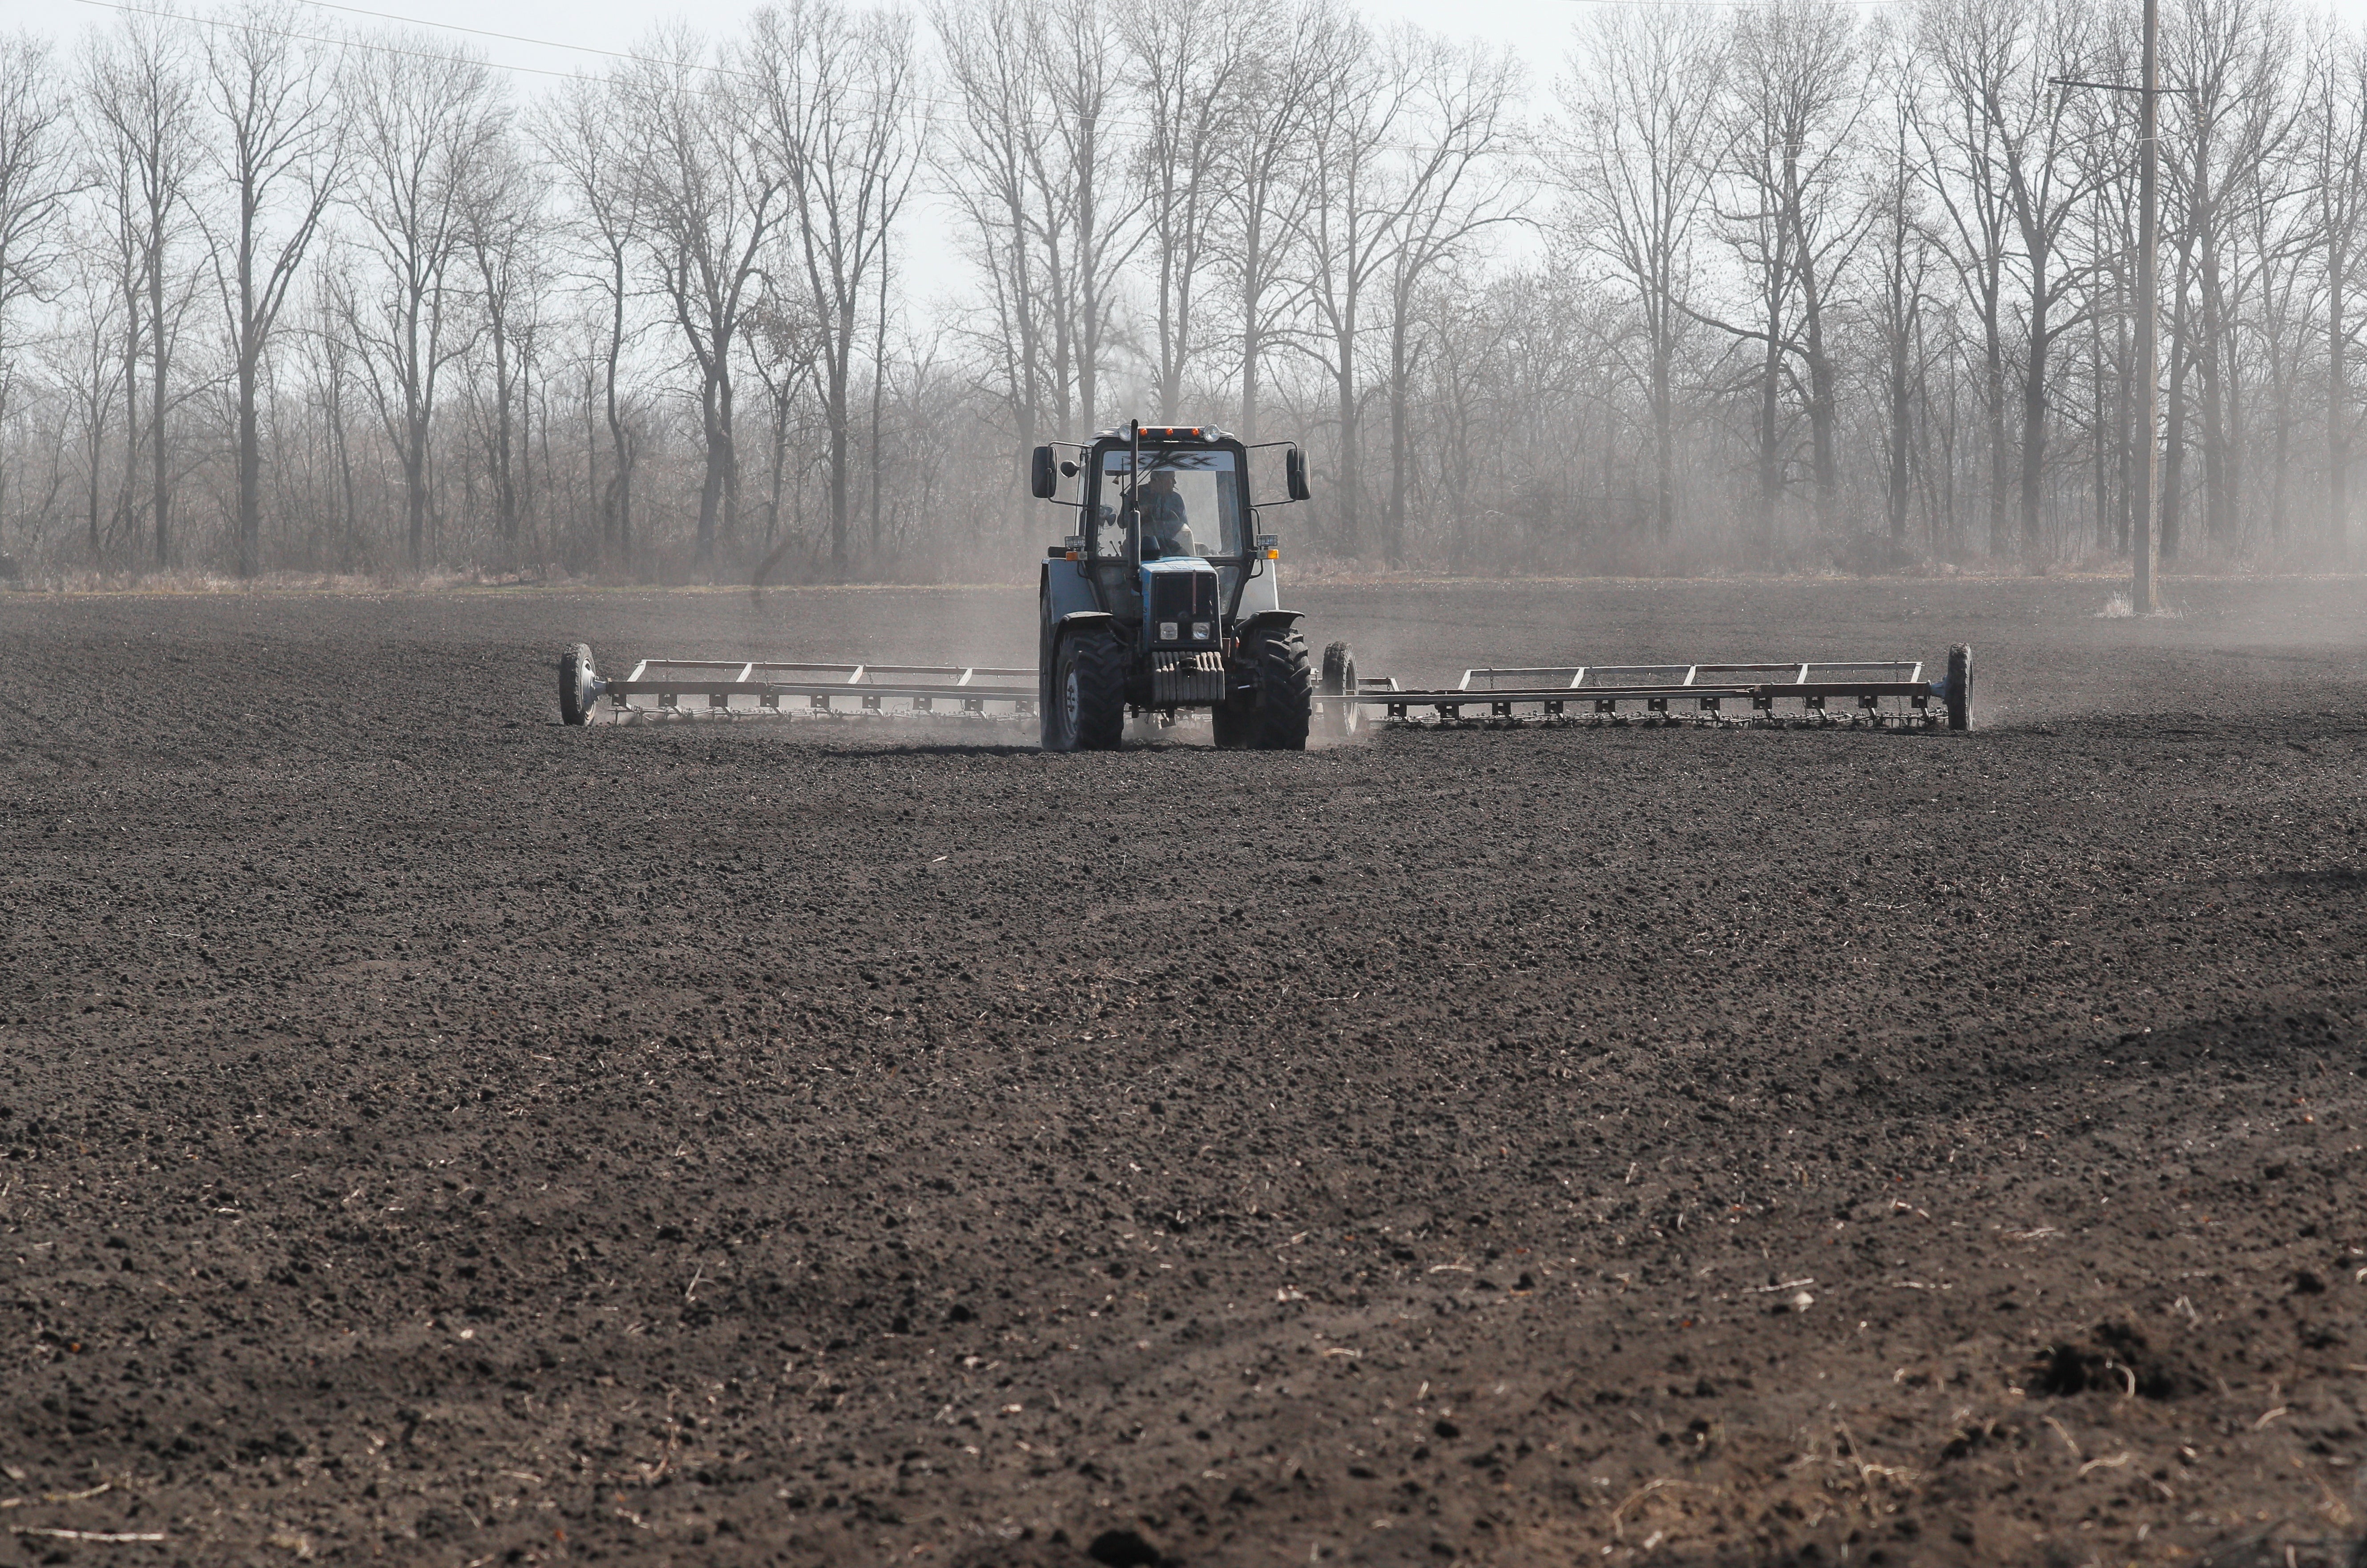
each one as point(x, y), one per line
point(1164, 531)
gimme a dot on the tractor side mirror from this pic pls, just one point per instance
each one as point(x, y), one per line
point(1294, 473)
point(1044, 475)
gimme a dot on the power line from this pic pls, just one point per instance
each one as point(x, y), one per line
point(514, 37)
point(315, 38)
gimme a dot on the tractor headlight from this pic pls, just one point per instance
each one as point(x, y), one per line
point(1199, 631)
point(1167, 631)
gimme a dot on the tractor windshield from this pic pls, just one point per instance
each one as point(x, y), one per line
point(1190, 503)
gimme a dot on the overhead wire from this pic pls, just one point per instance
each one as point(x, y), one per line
point(315, 38)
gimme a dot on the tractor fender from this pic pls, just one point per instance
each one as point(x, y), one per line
point(1278, 619)
point(1057, 623)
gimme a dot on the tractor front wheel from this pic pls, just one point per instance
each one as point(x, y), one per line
point(1286, 690)
point(1089, 692)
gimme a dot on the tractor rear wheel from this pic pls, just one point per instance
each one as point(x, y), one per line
point(1088, 691)
point(1286, 690)
point(1341, 713)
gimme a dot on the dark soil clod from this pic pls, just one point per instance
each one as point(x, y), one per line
point(1124, 1549)
point(2114, 1360)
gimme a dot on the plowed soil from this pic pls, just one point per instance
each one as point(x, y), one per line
point(437, 1136)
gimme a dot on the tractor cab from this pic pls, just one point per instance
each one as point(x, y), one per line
point(1163, 536)
point(1165, 596)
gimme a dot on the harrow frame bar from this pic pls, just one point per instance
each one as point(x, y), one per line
point(768, 680)
point(1670, 693)
point(1601, 688)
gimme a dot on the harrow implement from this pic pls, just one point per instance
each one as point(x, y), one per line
point(1877, 694)
point(763, 686)
point(1887, 694)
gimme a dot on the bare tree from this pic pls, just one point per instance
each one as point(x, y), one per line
point(2338, 109)
point(83, 360)
point(1904, 258)
point(1642, 98)
point(838, 102)
point(987, 171)
point(1451, 185)
point(142, 100)
point(582, 132)
point(1347, 231)
point(274, 153)
point(35, 183)
point(1194, 59)
point(2042, 132)
point(1973, 48)
point(1798, 92)
point(1263, 167)
point(503, 231)
point(710, 193)
point(1086, 200)
point(426, 126)
point(2230, 121)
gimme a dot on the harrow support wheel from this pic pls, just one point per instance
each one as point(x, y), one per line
point(1286, 690)
point(1088, 711)
point(1341, 713)
point(1960, 686)
point(576, 673)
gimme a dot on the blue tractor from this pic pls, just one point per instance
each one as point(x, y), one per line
point(1166, 598)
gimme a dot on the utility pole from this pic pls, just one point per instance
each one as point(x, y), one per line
point(2144, 548)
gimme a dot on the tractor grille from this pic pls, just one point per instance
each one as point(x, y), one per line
point(1181, 600)
point(1180, 677)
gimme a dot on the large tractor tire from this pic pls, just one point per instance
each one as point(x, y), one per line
point(1089, 692)
point(1286, 690)
point(1341, 713)
point(1960, 686)
point(576, 674)
point(1233, 721)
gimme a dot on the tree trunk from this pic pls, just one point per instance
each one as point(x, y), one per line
point(836, 377)
point(1664, 437)
point(2338, 406)
point(2173, 456)
point(2034, 408)
point(1771, 436)
point(1393, 543)
point(415, 485)
point(158, 359)
point(878, 404)
point(1344, 387)
point(718, 457)
point(620, 482)
point(1994, 370)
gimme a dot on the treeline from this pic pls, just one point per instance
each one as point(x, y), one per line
point(1780, 285)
